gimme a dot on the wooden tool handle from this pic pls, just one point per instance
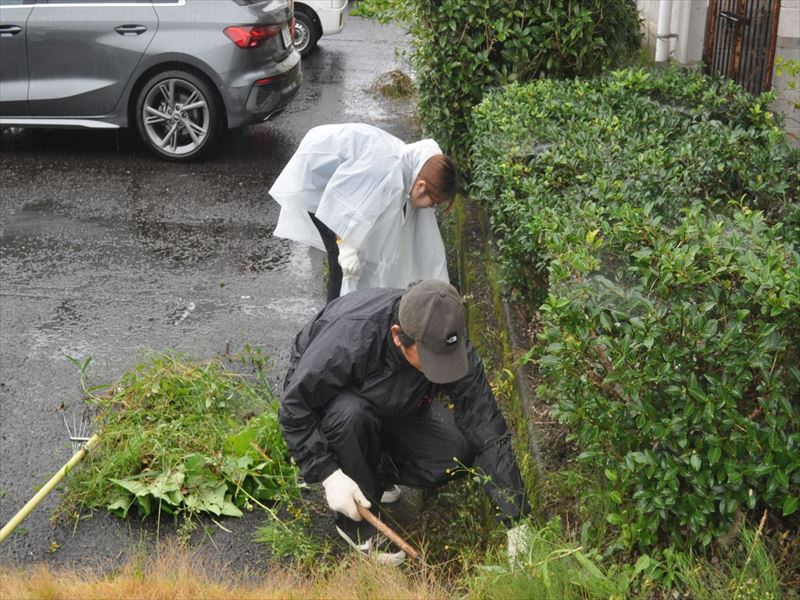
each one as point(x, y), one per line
point(388, 532)
point(46, 489)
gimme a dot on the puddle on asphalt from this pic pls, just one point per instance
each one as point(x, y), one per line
point(66, 315)
point(300, 260)
point(56, 344)
point(183, 313)
point(190, 313)
point(248, 249)
point(272, 255)
point(300, 308)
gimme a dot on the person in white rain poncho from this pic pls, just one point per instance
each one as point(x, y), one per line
point(365, 197)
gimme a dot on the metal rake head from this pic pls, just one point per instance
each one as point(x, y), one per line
point(79, 426)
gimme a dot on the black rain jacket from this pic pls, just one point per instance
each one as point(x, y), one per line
point(348, 345)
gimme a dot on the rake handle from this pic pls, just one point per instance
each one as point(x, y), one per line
point(46, 489)
point(388, 532)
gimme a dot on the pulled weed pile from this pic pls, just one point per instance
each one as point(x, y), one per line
point(184, 437)
point(393, 84)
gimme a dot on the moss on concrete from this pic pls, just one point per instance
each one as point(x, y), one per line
point(490, 331)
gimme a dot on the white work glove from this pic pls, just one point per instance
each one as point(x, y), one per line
point(349, 261)
point(342, 493)
point(518, 544)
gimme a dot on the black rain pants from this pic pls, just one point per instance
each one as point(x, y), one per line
point(332, 248)
point(416, 450)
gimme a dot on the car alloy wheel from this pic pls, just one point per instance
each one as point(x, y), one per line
point(305, 33)
point(177, 115)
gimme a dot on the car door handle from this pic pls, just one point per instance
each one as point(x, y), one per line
point(130, 29)
point(9, 30)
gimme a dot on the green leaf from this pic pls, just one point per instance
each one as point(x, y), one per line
point(714, 455)
point(614, 518)
point(137, 488)
point(589, 565)
point(546, 574)
point(696, 462)
point(166, 483)
point(229, 508)
point(641, 564)
point(790, 505)
point(145, 504)
point(194, 463)
point(193, 502)
point(121, 505)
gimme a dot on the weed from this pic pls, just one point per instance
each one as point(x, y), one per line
point(291, 538)
point(554, 568)
point(745, 571)
point(183, 437)
point(393, 84)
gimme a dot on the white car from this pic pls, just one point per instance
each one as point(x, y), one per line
point(315, 18)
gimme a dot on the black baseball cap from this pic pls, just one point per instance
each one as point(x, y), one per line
point(432, 314)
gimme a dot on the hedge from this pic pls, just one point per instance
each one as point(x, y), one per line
point(649, 221)
point(463, 48)
point(664, 137)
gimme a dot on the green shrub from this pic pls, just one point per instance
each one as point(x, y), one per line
point(463, 48)
point(663, 137)
point(675, 365)
point(650, 217)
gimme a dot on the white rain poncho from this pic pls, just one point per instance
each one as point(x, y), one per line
point(357, 180)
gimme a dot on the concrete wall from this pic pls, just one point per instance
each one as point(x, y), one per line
point(788, 46)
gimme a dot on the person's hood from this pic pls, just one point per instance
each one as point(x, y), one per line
point(414, 156)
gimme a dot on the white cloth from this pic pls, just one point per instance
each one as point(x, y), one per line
point(357, 180)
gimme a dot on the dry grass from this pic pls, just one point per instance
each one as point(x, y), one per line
point(178, 574)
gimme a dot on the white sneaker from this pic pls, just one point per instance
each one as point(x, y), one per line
point(391, 495)
point(376, 548)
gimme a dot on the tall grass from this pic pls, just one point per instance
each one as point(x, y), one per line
point(749, 572)
point(553, 568)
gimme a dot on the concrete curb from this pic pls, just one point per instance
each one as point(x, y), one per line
point(467, 214)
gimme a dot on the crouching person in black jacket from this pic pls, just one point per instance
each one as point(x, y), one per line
point(358, 413)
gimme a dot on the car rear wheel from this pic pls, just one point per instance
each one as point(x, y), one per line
point(178, 115)
point(10, 136)
point(305, 33)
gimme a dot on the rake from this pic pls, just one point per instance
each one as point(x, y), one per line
point(82, 442)
point(388, 532)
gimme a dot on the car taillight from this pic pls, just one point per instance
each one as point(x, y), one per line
point(267, 80)
point(251, 36)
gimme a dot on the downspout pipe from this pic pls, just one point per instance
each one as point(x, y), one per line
point(663, 34)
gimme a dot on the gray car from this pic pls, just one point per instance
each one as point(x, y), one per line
point(180, 71)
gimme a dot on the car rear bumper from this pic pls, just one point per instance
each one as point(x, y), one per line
point(332, 19)
point(259, 95)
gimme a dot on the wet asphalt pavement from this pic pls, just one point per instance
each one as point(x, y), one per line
point(107, 252)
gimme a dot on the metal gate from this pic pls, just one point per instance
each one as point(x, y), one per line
point(740, 41)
